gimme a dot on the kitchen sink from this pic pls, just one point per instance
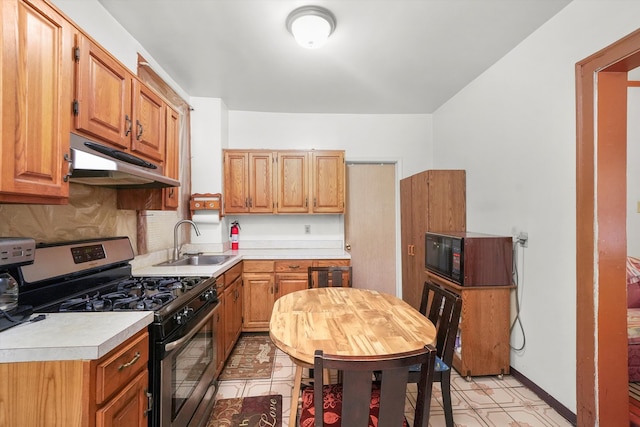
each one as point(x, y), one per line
point(197, 260)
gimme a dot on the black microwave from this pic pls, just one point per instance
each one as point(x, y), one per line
point(470, 259)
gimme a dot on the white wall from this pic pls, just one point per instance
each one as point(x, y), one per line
point(513, 130)
point(403, 138)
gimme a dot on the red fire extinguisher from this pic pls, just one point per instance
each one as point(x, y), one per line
point(235, 232)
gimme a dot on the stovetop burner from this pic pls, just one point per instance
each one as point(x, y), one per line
point(134, 293)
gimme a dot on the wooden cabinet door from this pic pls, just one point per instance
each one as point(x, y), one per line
point(172, 157)
point(232, 314)
point(258, 300)
point(220, 325)
point(149, 128)
point(410, 289)
point(236, 316)
point(228, 331)
point(129, 407)
point(447, 200)
point(248, 181)
point(236, 182)
point(293, 182)
point(328, 177)
point(290, 282)
point(103, 95)
point(37, 67)
point(261, 182)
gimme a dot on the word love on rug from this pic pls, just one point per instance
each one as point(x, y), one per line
point(251, 358)
point(258, 411)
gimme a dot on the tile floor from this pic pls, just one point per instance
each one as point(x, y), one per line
point(484, 401)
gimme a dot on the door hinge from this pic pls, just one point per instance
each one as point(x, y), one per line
point(76, 107)
point(76, 54)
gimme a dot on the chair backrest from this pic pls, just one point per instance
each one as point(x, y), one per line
point(357, 377)
point(334, 276)
point(443, 308)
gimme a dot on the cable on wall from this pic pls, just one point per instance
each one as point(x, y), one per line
point(517, 319)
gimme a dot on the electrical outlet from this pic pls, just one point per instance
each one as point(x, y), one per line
point(307, 229)
point(523, 239)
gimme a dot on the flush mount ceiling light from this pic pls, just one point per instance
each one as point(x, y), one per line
point(311, 26)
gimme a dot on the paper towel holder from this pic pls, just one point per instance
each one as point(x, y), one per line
point(206, 202)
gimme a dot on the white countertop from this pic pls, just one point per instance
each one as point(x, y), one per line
point(248, 254)
point(89, 336)
point(71, 336)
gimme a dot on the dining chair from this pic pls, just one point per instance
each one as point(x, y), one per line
point(330, 276)
point(442, 307)
point(347, 405)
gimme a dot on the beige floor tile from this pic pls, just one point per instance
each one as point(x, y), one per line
point(482, 402)
point(534, 416)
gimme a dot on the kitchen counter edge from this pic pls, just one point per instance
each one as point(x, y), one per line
point(70, 336)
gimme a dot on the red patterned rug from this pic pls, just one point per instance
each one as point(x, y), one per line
point(258, 411)
point(251, 358)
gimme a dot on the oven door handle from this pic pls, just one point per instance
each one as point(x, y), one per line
point(173, 344)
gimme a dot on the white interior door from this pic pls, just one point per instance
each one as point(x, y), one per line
point(370, 222)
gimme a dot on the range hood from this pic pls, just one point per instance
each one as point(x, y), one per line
point(93, 163)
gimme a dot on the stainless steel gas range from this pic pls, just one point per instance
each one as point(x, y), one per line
point(95, 275)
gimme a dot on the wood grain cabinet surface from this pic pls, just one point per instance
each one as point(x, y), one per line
point(79, 393)
point(483, 330)
point(267, 280)
point(433, 200)
point(285, 181)
point(113, 106)
point(37, 68)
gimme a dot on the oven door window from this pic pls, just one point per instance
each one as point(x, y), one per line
point(190, 364)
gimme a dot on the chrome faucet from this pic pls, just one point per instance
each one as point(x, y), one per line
point(176, 251)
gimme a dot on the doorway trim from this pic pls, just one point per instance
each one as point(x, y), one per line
point(601, 341)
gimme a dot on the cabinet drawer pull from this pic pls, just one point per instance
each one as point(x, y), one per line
point(149, 403)
point(294, 266)
point(131, 362)
point(129, 123)
point(140, 130)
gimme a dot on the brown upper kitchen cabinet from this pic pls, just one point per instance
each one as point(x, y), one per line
point(433, 200)
point(171, 197)
point(248, 181)
point(302, 181)
point(327, 181)
point(37, 67)
point(293, 181)
point(113, 106)
point(159, 198)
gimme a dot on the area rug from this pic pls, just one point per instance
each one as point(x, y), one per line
point(258, 411)
point(251, 358)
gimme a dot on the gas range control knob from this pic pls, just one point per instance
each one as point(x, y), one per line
point(209, 295)
point(179, 319)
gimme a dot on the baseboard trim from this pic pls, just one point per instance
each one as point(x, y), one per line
point(546, 397)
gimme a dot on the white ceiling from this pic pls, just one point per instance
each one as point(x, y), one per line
point(385, 56)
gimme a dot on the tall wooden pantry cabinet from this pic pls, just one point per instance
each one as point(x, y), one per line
point(433, 200)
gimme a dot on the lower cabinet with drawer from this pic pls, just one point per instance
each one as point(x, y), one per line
point(267, 280)
point(110, 391)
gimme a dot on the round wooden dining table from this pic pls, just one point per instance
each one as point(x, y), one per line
point(344, 321)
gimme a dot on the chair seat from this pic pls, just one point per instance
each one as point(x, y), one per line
point(332, 396)
point(439, 367)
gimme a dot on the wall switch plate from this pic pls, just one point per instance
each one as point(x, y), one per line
point(307, 229)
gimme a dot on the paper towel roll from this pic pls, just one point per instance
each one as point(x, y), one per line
point(204, 217)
